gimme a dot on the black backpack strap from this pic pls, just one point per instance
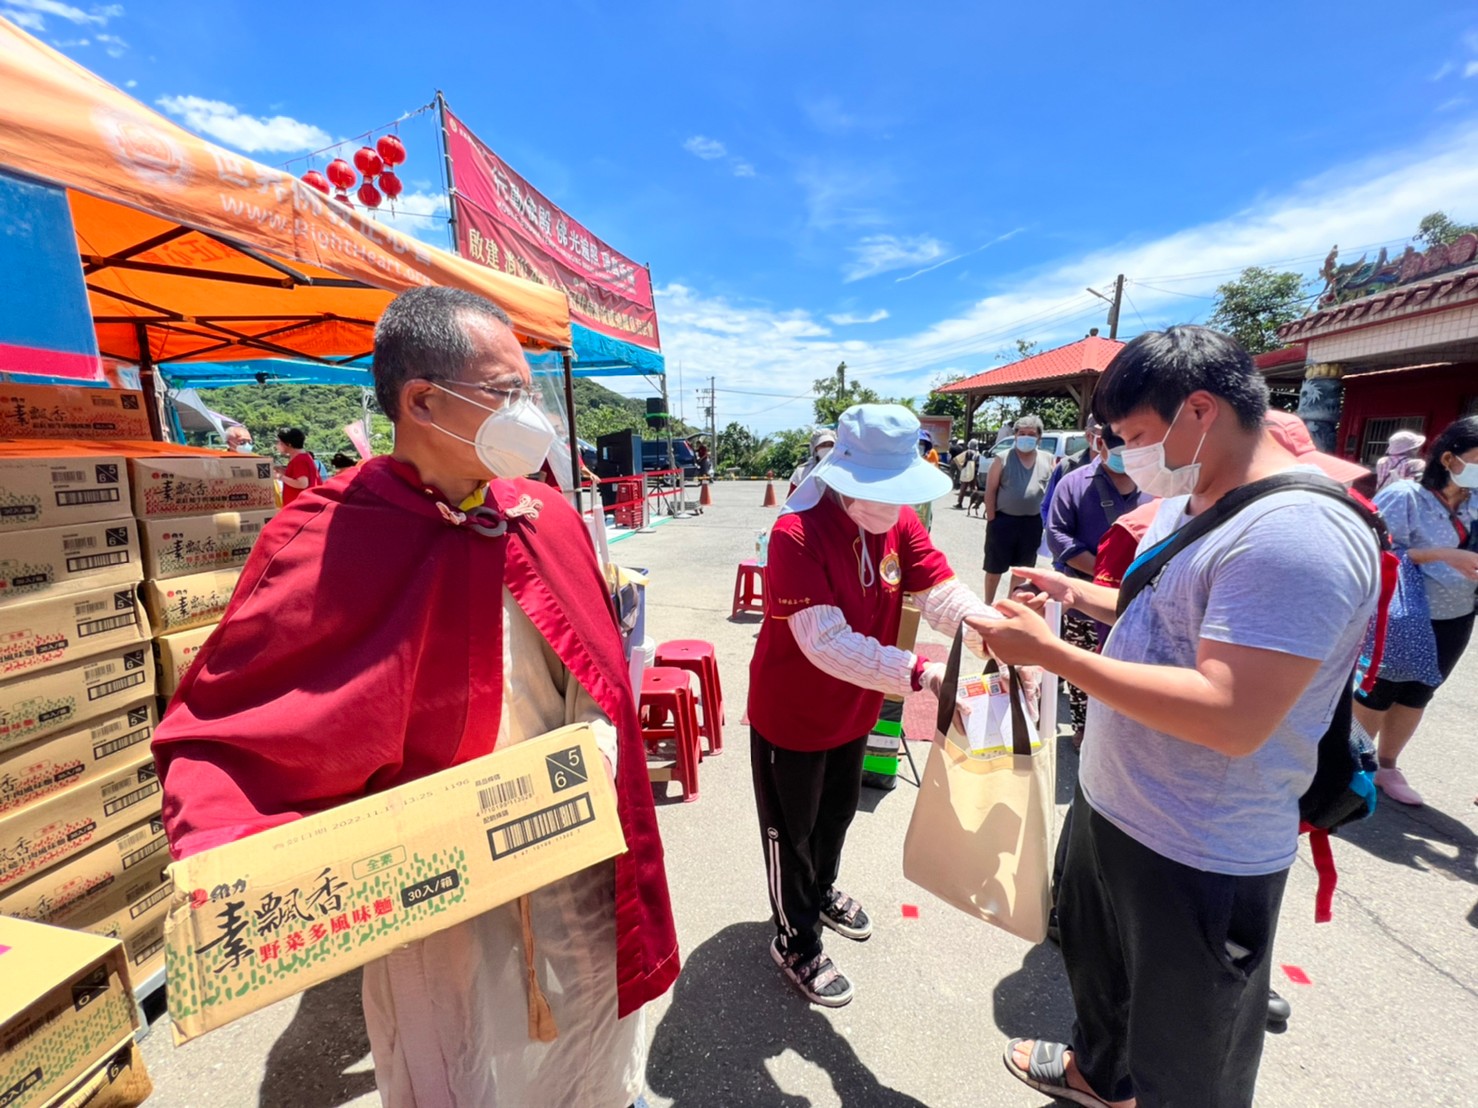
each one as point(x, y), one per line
point(1146, 568)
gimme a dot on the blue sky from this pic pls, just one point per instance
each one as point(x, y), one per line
point(906, 187)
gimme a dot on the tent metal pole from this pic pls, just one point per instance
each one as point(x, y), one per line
point(451, 188)
point(575, 460)
point(148, 382)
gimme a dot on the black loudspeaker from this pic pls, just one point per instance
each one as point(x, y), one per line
point(621, 450)
point(656, 413)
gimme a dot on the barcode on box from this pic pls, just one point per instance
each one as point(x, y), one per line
point(79, 542)
point(250, 528)
point(91, 606)
point(92, 673)
point(86, 496)
point(500, 794)
point(103, 626)
point(509, 838)
point(67, 476)
point(143, 954)
point(127, 681)
point(97, 561)
point(138, 795)
point(122, 742)
point(134, 857)
point(157, 897)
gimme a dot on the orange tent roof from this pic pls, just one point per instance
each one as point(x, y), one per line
point(196, 253)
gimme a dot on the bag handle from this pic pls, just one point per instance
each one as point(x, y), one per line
point(949, 691)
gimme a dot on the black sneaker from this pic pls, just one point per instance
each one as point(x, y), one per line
point(819, 981)
point(845, 916)
point(1278, 1008)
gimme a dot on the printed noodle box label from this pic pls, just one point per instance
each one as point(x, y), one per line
point(97, 886)
point(65, 1008)
point(257, 920)
point(140, 928)
point(56, 630)
point(194, 485)
point(70, 412)
point(184, 602)
point(39, 769)
point(60, 699)
point(121, 1081)
point(62, 492)
point(175, 547)
point(57, 827)
point(177, 653)
point(54, 560)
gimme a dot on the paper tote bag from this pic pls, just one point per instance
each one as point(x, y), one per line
point(981, 833)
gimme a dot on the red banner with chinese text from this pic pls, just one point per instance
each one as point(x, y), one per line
point(505, 223)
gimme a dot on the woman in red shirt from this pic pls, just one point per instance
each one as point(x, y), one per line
point(301, 471)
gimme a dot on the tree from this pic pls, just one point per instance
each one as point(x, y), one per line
point(1256, 304)
point(1438, 229)
point(782, 452)
point(951, 404)
point(737, 447)
point(1024, 349)
point(320, 410)
point(835, 394)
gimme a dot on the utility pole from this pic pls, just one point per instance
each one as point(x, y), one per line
point(1114, 304)
point(713, 417)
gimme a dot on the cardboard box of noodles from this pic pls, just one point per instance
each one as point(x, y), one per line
point(28, 773)
point(268, 916)
point(97, 884)
point(183, 545)
point(56, 827)
point(65, 1007)
point(140, 928)
point(62, 491)
point(908, 635)
point(192, 486)
point(177, 653)
point(119, 1082)
point(70, 412)
point(48, 561)
point(194, 601)
point(55, 630)
point(59, 699)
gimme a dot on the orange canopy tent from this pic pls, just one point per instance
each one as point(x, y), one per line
point(193, 253)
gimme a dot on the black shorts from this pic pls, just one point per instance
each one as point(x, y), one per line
point(1012, 541)
point(1452, 639)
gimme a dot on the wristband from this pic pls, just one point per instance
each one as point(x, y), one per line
point(916, 678)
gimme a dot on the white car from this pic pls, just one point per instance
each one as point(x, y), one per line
point(1056, 443)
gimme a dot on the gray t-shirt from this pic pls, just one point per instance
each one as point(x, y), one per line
point(1024, 482)
point(1295, 573)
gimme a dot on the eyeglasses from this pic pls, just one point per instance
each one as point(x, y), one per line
point(497, 396)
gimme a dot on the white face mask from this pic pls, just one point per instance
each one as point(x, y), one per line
point(512, 441)
point(872, 517)
point(1146, 467)
point(1467, 477)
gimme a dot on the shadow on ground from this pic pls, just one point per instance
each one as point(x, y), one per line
point(305, 1068)
point(1417, 838)
point(732, 1012)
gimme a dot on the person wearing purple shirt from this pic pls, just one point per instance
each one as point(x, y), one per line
point(1084, 506)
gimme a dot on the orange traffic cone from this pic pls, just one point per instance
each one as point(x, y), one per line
point(770, 501)
point(705, 498)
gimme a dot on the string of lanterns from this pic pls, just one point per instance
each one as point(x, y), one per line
point(377, 166)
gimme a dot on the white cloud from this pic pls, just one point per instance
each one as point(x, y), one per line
point(1471, 69)
point(778, 351)
point(1449, 105)
point(876, 254)
point(847, 319)
point(130, 83)
point(421, 215)
point(32, 14)
point(253, 134)
point(115, 46)
point(743, 169)
point(1444, 70)
point(706, 148)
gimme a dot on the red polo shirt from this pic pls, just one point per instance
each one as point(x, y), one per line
point(815, 557)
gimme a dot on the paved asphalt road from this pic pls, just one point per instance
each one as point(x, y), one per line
point(1388, 1018)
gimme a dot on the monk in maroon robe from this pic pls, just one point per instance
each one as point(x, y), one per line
point(422, 611)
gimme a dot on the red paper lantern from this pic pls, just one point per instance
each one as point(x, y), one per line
point(391, 149)
point(368, 162)
point(369, 196)
point(341, 174)
point(390, 185)
point(314, 179)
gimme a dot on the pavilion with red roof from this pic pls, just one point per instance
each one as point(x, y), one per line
point(1070, 371)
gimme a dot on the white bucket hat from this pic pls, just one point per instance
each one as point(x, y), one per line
point(1405, 442)
point(876, 458)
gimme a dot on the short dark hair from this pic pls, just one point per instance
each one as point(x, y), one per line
point(342, 461)
point(420, 334)
point(1458, 437)
point(1159, 369)
point(293, 436)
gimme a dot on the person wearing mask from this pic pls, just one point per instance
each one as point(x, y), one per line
point(1069, 462)
point(238, 439)
point(822, 440)
point(1014, 490)
point(1431, 522)
point(1205, 712)
point(301, 472)
point(844, 555)
point(1402, 460)
point(968, 464)
point(1088, 500)
point(481, 620)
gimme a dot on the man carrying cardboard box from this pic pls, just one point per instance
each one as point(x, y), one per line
point(411, 617)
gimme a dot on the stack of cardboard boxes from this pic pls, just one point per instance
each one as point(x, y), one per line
point(89, 524)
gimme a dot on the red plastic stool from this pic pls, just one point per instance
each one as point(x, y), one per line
point(698, 657)
point(668, 711)
point(749, 592)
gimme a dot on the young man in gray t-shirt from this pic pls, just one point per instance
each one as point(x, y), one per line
point(1207, 705)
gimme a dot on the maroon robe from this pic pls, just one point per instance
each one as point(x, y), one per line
point(363, 648)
